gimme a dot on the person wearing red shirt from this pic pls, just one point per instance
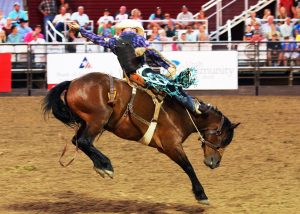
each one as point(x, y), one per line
point(30, 36)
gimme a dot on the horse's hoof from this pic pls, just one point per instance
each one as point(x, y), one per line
point(205, 201)
point(100, 172)
point(109, 173)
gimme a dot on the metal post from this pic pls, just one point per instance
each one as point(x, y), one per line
point(217, 20)
point(246, 5)
point(257, 76)
point(229, 34)
point(29, 70)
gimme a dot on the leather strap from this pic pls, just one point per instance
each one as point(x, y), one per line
point(112, 91)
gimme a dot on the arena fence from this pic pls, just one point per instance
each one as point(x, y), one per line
point(258, 64)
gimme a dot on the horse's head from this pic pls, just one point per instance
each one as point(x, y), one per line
point(216, 134)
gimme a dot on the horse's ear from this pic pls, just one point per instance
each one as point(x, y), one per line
point(235, 125)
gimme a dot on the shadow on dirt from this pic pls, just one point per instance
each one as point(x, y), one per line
point(70, 203)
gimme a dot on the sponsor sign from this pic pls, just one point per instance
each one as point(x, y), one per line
point(5, 72)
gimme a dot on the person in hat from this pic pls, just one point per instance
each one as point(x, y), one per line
point(23, 28)
point(131, 49)
point(16, 14)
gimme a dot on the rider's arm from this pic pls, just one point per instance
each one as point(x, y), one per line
point(99, 40)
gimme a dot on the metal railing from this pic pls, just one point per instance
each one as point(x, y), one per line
point(257, 63)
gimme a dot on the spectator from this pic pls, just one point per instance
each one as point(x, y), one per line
point(296, 12)
point(252, 20)
point(23, 28)
point(287, 28)
point(14, 37)
point(156, 35)
point(16, 14)
point(2, 20)
point(175, 46)
point(184, 15)
point(282, 15)
point(191, 36)
point(37, 31)
point(266, 28)
point(105, 18)
point(248, 34)
point(170, 29)
point(290, 51)
point(107, 30)
point(156, 16)
point(81, 17)
point(2, 36)
point(257, 36)
point(182, 39)
point(122, 15)
point(287, 4)
point(297, 29)
point(49, 9)
point(202, 35)
point(36, 39)
point(71, 48)
point(136, 14)
point(8, 27)
point(61, 19)
point(267, 13)
point(273, 51)
point(200, 16)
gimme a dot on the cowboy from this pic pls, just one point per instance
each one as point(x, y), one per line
point(131, 48)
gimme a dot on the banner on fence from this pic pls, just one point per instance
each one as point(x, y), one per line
point(62, 67)
point(216, 70)
point(5, 72)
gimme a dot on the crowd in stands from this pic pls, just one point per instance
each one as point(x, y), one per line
point(160, 26)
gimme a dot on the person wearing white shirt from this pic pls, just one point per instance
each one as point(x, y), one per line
point(81, 17)
point(252, 20)
point(105, 18)
point(286, 29)
point(185, 15)
point(60, 20)
point(122, 15)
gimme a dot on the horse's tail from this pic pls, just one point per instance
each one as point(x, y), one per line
point(61, 111)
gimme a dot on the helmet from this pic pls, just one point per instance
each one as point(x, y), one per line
point(131, 24)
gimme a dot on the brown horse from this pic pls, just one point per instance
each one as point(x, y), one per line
point(86, 104)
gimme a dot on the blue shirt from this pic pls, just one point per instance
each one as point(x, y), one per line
point(23, 31)
point(290, 46)
point(137, 41)
point(21, 14)
point(14, 38)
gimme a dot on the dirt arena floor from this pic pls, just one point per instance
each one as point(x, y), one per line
point(259, 173)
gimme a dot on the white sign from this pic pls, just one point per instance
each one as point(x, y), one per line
point(215, 69)
point(62, 67)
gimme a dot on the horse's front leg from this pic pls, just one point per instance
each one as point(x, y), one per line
point(177, 154)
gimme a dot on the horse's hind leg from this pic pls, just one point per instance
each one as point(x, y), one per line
point(84, 139)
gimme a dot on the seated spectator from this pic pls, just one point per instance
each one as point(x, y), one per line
point(287, 4)
point(273, 51)
point(156, 16)
point(185, 15)
point(23, 28)
point(252, 20)
point(257, 36)
point(248, 34)
point(282, 14)
point(266, 28)
point(36, 39)
point(136, 14)
point(182, 39)
point(157, 35)
point(175, 46)
point(297, 29)
point(81, 18)
point(200, 16)
point(2, 36)
point(61, 19)
point(2, 20)
point(191, 36)
point(295, 6)
point(8, 26)
point(37, 31)
point(107, 30)
point(290, 51)
point(170, 29)
point(122, 15)
point(14, 37)
point(16, 14)
point(103, 20)
point(168, 18)
point(287, 28)
point(67, 6)
point(202, 35)
point(267, 13)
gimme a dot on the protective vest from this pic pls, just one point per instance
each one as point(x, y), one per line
point(126, 54)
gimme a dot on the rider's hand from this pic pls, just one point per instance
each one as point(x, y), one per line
point(74, 26)
point(139, 51)
point(171, 72)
